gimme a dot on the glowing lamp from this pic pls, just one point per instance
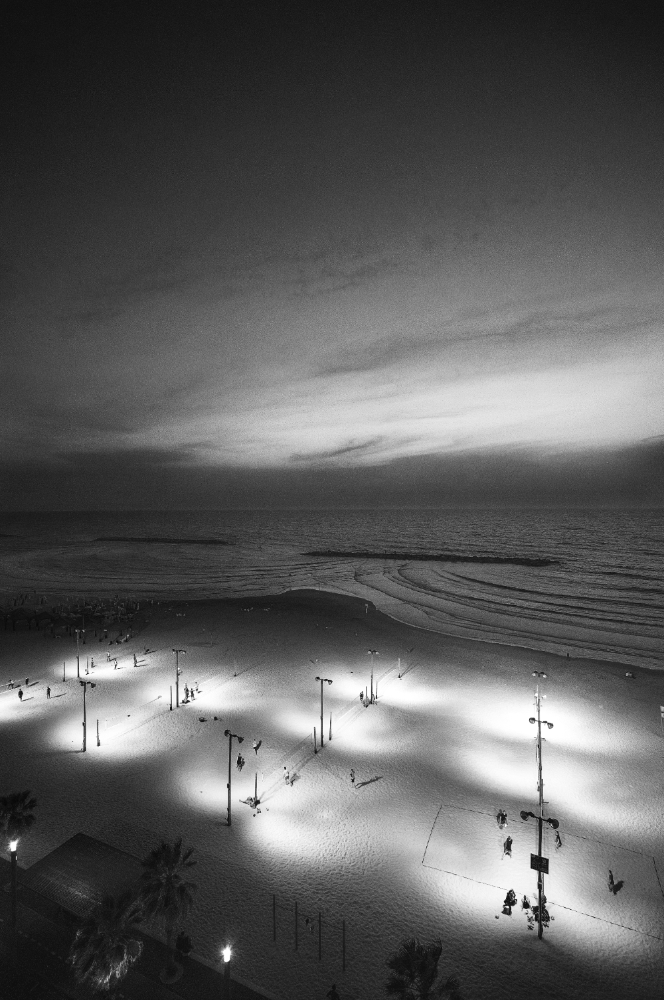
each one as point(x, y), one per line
point(13, 844)
point(226, 952)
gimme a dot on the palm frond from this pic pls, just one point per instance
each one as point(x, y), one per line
point(104, 949)
point(16, 814)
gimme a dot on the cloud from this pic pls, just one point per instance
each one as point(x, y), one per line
point(352, 449)
point(166, 480)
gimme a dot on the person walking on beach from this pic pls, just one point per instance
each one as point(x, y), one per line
point(11, 685)
point(611, 882)
point(352, 776)
point(333, 993)
point(27, 682)
point(48, 692)
point(20, 694)
point(115, 663)
point(257, 746)
point(507, 847)
point(286, 775)
point(135, 660)
point(559, 842)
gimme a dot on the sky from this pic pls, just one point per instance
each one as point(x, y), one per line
point(257, 258)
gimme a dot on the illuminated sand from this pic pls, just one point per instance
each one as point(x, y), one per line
point(414, 848)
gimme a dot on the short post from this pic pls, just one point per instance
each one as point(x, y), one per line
point(98, 740)
point(399, 666)
point(274, 917)
point(171, 708)
point(315, 747)
point(330, 727)
point(64, 670)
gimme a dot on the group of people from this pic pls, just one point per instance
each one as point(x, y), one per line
point(190, 693)
point(20, 690)
point(501, 819)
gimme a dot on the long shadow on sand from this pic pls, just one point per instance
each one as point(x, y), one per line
point(370, 781)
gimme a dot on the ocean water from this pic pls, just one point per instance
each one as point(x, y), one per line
point(600, 592)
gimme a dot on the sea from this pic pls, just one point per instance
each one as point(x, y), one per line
point(583, 581)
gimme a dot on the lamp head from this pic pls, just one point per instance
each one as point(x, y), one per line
point(319, 678)
point(329, 682)
point(240, 739)
point(227, 732)
point(13, 844)
point(532, 720)
point(550, 725)
point(226, 952)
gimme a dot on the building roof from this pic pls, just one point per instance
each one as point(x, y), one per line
point(78, 874)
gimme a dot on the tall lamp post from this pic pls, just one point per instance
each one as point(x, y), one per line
point(240, 739)
point(226, 954)
point(84, 685)
point(13, 844)
point(541, 863)
point(323, 680)
point(177, 675)
point(78, 631)
point(372, 653)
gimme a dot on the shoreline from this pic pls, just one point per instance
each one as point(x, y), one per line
point(263, 597)
point(473, 642)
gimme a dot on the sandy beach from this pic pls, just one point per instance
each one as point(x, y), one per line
point(413, 848)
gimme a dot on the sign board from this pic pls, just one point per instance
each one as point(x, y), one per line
point(539, 863)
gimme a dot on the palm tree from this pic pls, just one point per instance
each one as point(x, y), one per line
point(166, 895)
point(414, 973)
point(16, 814)
point(104, 948)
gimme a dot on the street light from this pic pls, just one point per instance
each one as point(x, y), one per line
point(323, 680)
point(226, 954)
point(84, 685)
point(13, 844)
point(240, 739)
point(541, 819)
point(372, 652)
point(78, 631)
point(177, 675)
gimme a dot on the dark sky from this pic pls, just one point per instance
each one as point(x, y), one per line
point(257, 259)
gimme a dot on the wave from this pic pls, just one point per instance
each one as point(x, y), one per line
point(452, 557)
point(162, 541)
